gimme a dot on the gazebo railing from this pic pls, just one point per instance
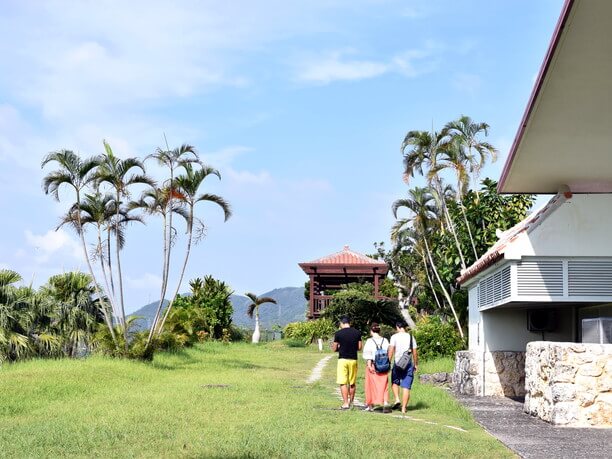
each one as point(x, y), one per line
point(319, 303)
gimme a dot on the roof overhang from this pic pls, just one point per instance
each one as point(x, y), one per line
point(565, 136)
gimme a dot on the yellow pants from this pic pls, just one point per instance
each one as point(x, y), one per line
point(347, 372)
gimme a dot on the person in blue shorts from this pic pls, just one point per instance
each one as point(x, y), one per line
point(400, 343)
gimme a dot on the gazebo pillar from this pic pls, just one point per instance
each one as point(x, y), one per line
point(376, 293)
point(312, 291)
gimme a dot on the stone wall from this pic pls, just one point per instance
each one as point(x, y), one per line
point(504, 373)
point(569, 384)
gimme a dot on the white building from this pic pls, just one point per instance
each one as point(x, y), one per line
point(544, 290)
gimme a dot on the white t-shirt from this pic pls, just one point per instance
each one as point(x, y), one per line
point(401, 342)
point(369, 349)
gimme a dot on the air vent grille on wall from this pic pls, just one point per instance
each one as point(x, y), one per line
point(494, 288)
point(540, 278)
point(589, 277)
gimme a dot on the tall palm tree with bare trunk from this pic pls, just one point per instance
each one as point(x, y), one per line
point(117, 173)
point(76, 173)
point(469, 155)
point(187, 191)
point(163, 201)
point(253, 310)
point(422, 151)
point(420, 204)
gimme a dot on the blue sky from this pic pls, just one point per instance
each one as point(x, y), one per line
point(302, 106)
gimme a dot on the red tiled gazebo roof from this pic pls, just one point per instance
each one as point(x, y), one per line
point(345, 257)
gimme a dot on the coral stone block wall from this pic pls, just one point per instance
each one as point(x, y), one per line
point(569, 384)
point(502, 373)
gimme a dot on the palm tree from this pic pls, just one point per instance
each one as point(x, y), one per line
point(253, 309)
point(14, 341)
point(77, 174)
point(424, 151)
point(160, 201)
point(117, 173)
point(419, 203)
point(77, 313)
point(187, 190)
point(163, 203)
point(464, 134)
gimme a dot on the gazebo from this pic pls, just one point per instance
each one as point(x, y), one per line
point(332, 271)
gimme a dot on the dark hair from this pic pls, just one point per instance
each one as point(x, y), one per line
point(401, 324)
point(344, 320)
point(375, 327)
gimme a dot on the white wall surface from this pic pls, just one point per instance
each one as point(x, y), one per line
point(506, 329)
point(474, 343)
point(580, 227)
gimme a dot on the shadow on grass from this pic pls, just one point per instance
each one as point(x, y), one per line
point(176, 360)
point(417, 406)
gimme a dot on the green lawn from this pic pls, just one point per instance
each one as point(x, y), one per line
point(217, 400)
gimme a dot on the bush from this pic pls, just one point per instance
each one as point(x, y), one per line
point(293, 342)
point(309, 331)
point(362, 308)
point(137, 340)
point(436, 338)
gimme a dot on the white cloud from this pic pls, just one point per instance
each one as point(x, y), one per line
point(332, 66)
point(338, 66)
point(53, 243)
point(225, 156)
point(248, 178)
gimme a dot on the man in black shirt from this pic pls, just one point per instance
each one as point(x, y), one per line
point(347, 341)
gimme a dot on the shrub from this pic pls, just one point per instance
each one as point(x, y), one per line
point(436, 338)
point(293, 342)
point(362, 308)
point(309, 331)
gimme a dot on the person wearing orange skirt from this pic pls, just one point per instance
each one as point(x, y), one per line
point(376, 384)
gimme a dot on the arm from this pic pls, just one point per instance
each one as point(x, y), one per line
point(415, 358)
point(335, 346)
point(359, 345)
point(391, 351)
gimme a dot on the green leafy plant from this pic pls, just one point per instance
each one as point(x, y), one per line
point(362, 308)
point(436, 338)
point(309, 331)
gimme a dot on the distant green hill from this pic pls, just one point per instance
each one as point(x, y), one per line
point(291, 307)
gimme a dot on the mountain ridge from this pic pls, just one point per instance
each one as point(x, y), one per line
point(290, 307)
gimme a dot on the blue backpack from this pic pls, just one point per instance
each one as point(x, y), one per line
point(381, 358)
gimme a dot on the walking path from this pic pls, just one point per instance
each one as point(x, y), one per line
point(532, 438)
point(317, 372)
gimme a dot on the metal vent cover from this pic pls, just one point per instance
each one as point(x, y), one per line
point(540, 278)
point(494, 288)
point(589, 277)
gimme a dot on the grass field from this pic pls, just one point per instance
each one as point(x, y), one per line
point(218, 400)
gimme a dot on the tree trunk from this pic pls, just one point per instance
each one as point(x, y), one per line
point(189, 240)
point(120, 276)
point(467, 225)
point(106, 284)
point(429, 281)
point(448, 218)
point(448, 298)
point(110, 265)
point(164, 283)
point(256, 334)
point(103, 304)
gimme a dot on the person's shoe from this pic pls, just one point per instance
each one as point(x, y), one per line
point(368, 408)
point(396, 405)
point(344, 408)
point(386, 408)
